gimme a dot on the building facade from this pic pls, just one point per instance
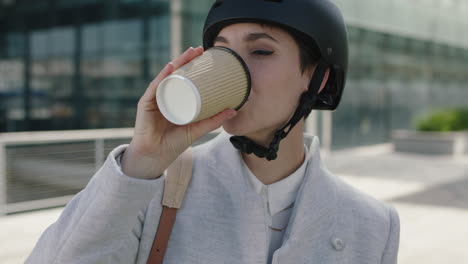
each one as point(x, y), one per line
point(83, 64)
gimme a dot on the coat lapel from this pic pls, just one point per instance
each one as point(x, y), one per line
point(226, 162)
point(316, 199)
point(313, 222)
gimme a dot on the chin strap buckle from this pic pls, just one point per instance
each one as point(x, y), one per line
point(246, 145)
point(306, 103)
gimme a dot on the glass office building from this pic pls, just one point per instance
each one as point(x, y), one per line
point(83, 64)
point(78, 64)
point(406, 58)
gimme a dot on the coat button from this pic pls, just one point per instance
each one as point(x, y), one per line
point(337, 243)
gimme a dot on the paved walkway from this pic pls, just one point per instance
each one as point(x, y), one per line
point(429, 192)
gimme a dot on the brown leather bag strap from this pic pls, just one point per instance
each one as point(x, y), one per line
point(176, 183)
point(163, 233)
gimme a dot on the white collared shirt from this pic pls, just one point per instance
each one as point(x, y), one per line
point(278, 201)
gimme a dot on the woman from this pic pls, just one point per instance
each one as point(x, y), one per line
point(259, 196)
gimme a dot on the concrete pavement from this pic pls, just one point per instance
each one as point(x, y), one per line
point(429, 192)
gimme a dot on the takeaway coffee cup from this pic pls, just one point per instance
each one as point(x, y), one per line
point(216, 80)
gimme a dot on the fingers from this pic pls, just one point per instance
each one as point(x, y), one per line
point(183, 59)
point(187, 56)
point(203, 127)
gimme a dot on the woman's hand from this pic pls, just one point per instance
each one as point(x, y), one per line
point(156, 142)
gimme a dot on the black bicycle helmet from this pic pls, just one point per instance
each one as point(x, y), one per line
point(319, 22)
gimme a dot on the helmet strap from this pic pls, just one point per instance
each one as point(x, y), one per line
point(307, 102)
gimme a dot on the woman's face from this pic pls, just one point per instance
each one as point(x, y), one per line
point(272, 56)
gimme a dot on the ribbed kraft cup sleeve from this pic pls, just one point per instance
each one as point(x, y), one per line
point(221, 79)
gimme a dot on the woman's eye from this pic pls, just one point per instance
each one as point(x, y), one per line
point(263, 52)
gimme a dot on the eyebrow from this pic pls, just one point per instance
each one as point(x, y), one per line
point(249, 38)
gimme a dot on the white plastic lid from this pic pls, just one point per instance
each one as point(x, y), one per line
point(178, 100)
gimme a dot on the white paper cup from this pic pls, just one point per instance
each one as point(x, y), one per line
point(216, 80)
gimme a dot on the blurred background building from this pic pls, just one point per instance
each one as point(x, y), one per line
point(83, 64)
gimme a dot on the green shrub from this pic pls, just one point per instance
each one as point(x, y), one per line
point(445, 120)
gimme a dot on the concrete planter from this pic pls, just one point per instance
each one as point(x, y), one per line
point(432, 143)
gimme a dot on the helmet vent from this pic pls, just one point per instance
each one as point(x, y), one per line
point(218, 3)
point(276, 1)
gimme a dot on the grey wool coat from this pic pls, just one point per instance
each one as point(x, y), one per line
point(114, 219)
